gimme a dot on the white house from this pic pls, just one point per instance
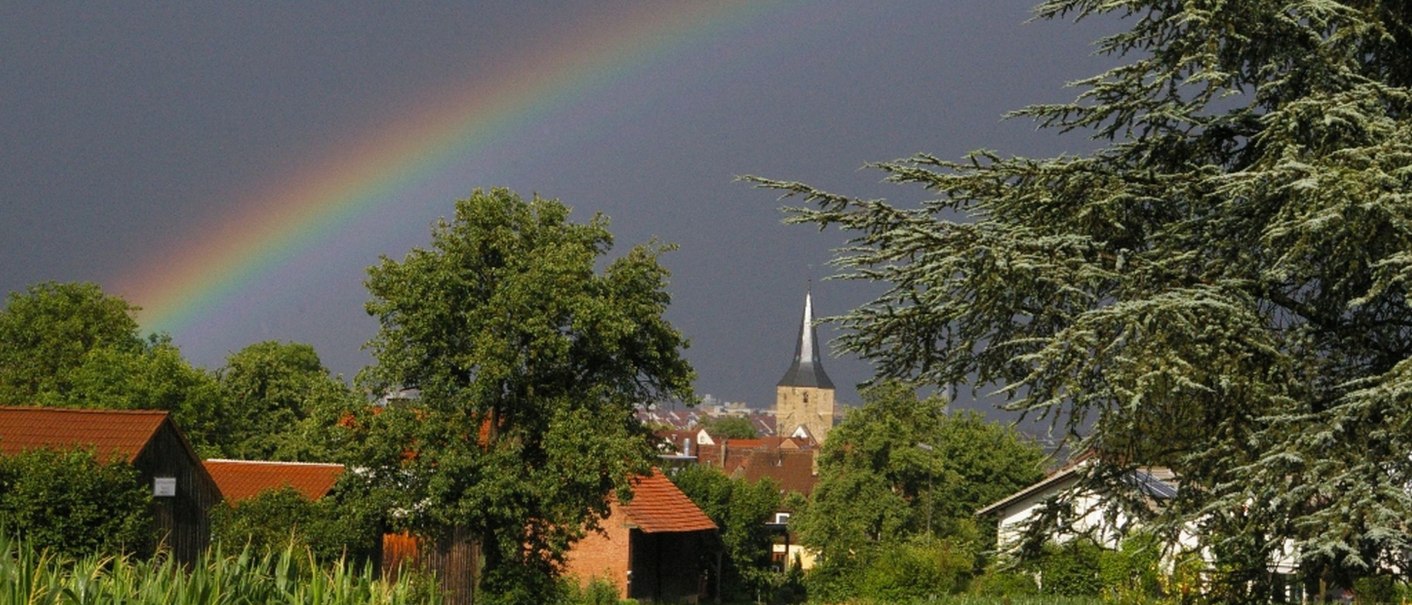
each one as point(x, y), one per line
point(1092, 518)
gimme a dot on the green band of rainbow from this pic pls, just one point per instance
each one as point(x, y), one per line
point(283, 221)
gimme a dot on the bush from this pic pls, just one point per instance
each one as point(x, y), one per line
point(598, 592)
point(1372, 590)
point(1071, 569)
point(923, 568)
point(1131, 573)
point(1004, 583)
point(70, 503)
point(272, 520)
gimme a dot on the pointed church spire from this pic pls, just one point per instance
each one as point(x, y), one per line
point(807, 371)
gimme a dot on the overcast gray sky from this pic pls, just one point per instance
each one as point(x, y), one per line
point(132, 133)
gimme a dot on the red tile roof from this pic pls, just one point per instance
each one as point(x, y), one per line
point(113, 434)
point(792, 470)
point(245, 479)
point(658, 506)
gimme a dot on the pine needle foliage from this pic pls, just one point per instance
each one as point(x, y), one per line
point(1222, 286)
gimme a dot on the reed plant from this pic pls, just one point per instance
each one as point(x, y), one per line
point(35, 577)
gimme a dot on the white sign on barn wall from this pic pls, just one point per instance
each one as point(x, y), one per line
point(164, 487)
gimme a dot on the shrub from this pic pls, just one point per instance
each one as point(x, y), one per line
point(1004, 583)
point(922, 568)
point(1131, 572)
point(268, 522)
point(1375, 589)
point(599, 591)
point(70, 503)
point(1071, 569)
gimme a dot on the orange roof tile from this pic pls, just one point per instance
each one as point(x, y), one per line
point(658, 506)
point(113, 434)
point(245, 479)
point(792, 470)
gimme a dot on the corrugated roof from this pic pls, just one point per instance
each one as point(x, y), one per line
point(113, 434)
point(245, 479)
point(658, 506)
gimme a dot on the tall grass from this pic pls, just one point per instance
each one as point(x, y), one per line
point(30, 577)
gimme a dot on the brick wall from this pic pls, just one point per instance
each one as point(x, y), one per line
point(603, 555)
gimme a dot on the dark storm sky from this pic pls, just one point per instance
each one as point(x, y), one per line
point(128, 130)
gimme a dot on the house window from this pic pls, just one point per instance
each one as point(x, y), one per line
point(781, 518)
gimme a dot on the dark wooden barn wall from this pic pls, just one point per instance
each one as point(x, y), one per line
point(183, 521)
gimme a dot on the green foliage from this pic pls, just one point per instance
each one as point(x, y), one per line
point(740, 509)
point(1378, 589)
point(996, 582)
point(729, 427)
point(1132, 572)
point(921, 469)
point(30, 576)
point(1221, 286)
point(921, 568)
point(329, 529)
point(280, 403)
point(49, 329)
point(154, 377)
point(68, 502)
point(530, 362)
point(71, 345)
point(598, 592)
point(1072, 569)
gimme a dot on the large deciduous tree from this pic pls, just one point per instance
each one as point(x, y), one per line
point(1228, 272)
point(530, 361)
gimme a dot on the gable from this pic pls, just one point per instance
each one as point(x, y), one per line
point(658, 506)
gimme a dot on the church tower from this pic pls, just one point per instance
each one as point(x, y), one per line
point(804, 397)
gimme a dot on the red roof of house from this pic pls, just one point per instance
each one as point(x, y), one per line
point(792, 470)
point(113, 434)
point(658, 506)
point(245, 479)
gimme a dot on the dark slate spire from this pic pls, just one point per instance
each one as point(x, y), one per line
point(806, 370)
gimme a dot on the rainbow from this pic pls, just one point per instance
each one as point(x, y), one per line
point(281, 222)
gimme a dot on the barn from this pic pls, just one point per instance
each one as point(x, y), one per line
point(649, 548)
point(182, 490)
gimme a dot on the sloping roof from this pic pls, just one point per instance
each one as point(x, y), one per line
point(1155, 482)
point(244, 479)
point(1053, 479)
point(807, 370)
point(792, 470)
point(658, 506)
point(113, 434)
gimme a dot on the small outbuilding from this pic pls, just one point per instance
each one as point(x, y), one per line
point(183, 492)
point(650, 548)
